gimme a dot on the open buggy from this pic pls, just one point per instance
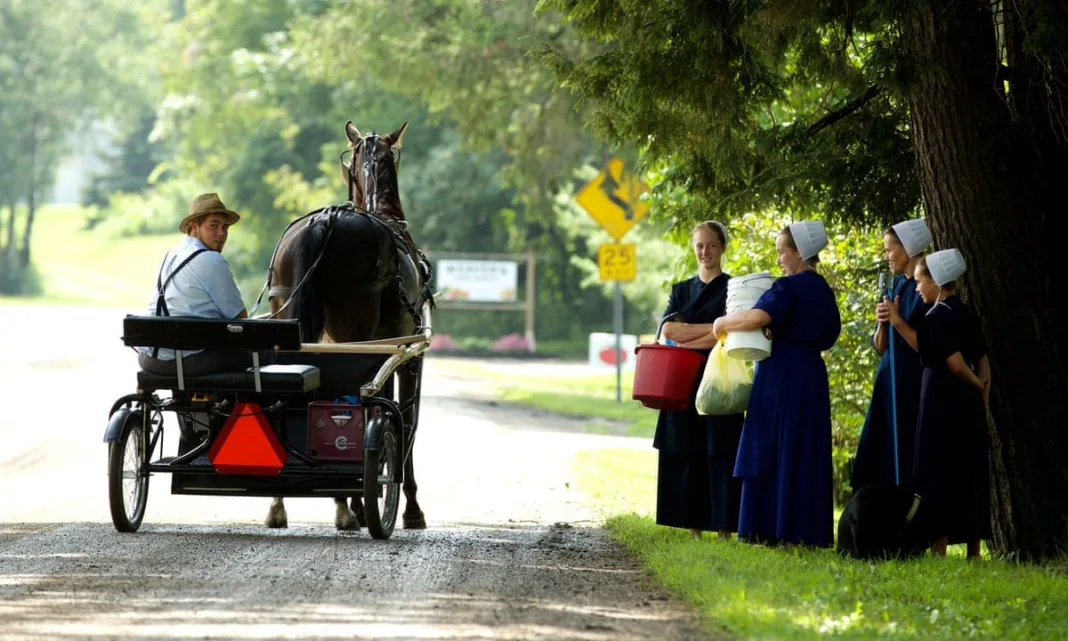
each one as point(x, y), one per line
point(320, 421)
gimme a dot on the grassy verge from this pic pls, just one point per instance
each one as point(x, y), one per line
point(79, 266)
point(758, 593)
point(591, 396)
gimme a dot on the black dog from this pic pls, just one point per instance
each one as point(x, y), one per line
point(880, 522)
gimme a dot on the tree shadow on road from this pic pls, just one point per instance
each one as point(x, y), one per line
point(85, 580)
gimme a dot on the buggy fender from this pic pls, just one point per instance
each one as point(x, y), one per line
point(117, 421)
point(372, 435)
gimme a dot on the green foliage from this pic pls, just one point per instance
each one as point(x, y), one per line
point(744, 105)
point(156, 210)
point(19, 281)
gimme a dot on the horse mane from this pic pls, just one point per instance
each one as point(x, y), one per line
point(306, 300)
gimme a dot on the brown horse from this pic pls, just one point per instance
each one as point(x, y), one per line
point(354, 274)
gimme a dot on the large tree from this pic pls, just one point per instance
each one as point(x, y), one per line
point(867, 111)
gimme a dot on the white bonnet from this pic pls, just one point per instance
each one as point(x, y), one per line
point(718, 225)
point(914, 235)
point(810, 237)
point(946, 266)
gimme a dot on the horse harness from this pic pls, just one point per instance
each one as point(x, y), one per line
point(388, 230)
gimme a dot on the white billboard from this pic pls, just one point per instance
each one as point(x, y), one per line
point(491, 281)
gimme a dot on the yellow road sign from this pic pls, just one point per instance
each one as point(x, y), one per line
point(618, 261)
point(612, 198)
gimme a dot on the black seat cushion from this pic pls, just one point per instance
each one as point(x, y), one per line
point(273, 378)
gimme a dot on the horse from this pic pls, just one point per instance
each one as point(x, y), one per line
point(355, 275)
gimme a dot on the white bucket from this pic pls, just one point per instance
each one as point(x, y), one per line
point(743, 292)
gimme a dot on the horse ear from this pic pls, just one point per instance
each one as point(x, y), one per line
point(394, 138)
point(352, 132)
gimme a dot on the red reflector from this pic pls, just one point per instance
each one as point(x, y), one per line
point(247, 444)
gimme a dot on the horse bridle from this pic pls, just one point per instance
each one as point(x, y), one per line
point(370, 170)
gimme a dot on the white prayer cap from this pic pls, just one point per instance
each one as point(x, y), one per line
point(945, 266)
point(914, 235)
point(809, 236)
point(718, 225)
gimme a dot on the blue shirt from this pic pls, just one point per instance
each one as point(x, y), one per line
point(204, 288)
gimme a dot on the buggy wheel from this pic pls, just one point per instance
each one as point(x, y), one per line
point(127, 478)
point(381, 487)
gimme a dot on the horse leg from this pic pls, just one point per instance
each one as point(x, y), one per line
point(344, 518)
point(339, 326)
point(413, 516)
point(276, 515)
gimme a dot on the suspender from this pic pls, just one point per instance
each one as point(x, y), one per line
point(161, 287)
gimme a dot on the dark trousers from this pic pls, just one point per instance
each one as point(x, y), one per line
point(209, 361)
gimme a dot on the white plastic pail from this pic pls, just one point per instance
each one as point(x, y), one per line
point(743, 292)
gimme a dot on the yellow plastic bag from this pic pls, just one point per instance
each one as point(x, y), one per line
point(725, 385)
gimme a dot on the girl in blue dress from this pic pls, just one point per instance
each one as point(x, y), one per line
point(951, 468)
point(784, 456)
point(903, 310)
point(696, 488)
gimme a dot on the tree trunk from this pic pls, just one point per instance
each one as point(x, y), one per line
point(992, 178)
point(31, 203)
point(9, 245)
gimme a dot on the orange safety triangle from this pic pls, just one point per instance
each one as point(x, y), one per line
point(247, 444)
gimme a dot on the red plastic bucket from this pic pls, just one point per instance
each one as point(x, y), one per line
point(665, 376)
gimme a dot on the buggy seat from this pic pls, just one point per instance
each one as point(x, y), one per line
point(253, 336)
point(292, 379)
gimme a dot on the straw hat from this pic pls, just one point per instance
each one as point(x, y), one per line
point(203, 205)
point(946, 266)
point(914, 235)
point(810, 237)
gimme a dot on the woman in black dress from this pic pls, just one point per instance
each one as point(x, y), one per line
point(950, 471)
point(696, 488)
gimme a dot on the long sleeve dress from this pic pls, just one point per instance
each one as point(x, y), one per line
point(874, 463)
point(784, 456)
point(695, 485)
point(951, 467)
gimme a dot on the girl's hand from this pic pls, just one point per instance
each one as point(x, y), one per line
point(882, 311)
point(986, 391)
point(717, 328)
point(893, 311)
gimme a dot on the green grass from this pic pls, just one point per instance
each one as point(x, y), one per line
point(753, 592)
point(84, 267)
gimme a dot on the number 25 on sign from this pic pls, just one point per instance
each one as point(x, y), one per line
point(618, 261)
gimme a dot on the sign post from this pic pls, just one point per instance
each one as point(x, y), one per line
point(612, 198)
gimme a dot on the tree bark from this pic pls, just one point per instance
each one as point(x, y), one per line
point(31, 202)
point(992, 179)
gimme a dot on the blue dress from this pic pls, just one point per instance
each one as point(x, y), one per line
point(952, 474)
point(695, 485)
point(784, 456)
point(874, 463)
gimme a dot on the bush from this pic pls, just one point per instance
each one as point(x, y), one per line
point(157, 210)
point(19, 282)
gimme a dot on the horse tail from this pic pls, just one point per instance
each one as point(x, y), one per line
point(306, 300)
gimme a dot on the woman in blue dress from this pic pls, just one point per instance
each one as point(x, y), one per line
point(903, 310)
point(696, 488)
point(784, 456)
point(951, 468)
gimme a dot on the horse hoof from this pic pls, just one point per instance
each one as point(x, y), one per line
point(272, 522)
point(347, 521)
point(414, 522)
point(361, 518)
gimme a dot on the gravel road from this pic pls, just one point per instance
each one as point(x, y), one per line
point(512, 551)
